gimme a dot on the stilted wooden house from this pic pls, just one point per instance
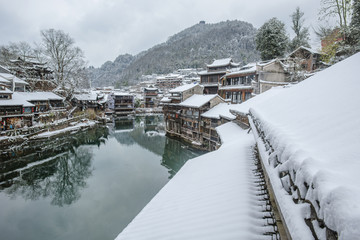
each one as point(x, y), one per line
point(210, 78)
point(237, 86)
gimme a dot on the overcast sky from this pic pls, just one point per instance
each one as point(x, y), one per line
point(104, 29)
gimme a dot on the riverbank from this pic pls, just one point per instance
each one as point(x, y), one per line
point(39, 131)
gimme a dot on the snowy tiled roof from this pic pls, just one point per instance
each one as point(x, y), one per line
point(39, 96)
point(211, 197)
point(11, 77)
point(92, 96)
point(243, 70)
point(165, 100)
point(197, 100)
point(17, 100)
point(220, 110)
point(222, 63)
point(5, 91)
point(4, 80)
point(212, 72)
point(122, 94)
point(316, 136)
point(240, 86)
point(305, 48)
point(258, 100)
point(183, 88)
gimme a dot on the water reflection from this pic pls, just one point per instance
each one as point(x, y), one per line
point(102, 178)
point(58, 172)
point(149, 132)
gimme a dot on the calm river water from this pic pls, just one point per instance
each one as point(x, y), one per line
point(87, 185)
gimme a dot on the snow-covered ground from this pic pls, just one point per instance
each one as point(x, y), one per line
point(75, 127)
point(312, 132)
point(212, 197)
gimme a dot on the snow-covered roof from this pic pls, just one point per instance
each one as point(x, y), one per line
point(205, 72)
point(257, 100)
point(165, 100)
point(151, 89)
point(316, 135)
point(305, 48)
point(243, 70)
point(222, 62)
point(39, 96)
point(11, 77)
point(122, 94)
point(232, 87)
point(4, 80)
point(183, 88)
point(220, 110)
point(197, 100)
point(92, 96)
point(5, 91)
point(17, 100)
point(211, 197)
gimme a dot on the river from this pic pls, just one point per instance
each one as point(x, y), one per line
point(86, 185)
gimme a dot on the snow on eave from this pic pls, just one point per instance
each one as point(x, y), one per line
point(218, 111)
point(183, 88)
point(197, 101)
point(305, 48)
point(315, 135)
point(241, 72)
point(222, 63)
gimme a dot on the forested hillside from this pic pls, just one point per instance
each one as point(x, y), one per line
point(193, 47)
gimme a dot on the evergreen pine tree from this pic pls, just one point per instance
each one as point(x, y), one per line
point(271, 39)
point(355, 25)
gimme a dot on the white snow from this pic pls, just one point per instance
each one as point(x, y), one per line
point(221, 62)
point(220, 110)
point(197, 101)
point(314, 130)
point(37, 96)
point(243, 70)
point(75, 127)
point(211, 197)
point(183, 88)
point(92, 96)
point(232, 87)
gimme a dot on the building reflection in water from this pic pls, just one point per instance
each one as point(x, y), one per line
point(56, 169)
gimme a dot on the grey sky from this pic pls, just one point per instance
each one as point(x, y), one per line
point(106, 28)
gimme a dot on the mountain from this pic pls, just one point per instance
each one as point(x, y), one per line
point(193, 47)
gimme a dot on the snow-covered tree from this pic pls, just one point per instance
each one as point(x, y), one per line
point(302, 33)
point(271, 39)
point(63, 56)
point(355, 25)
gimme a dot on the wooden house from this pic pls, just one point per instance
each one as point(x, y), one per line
point(271, 74)
point(15, 111)
point(169, 81)
point(85, 100)
point(211, 119)
point(191, 110)
point(124, 103)
point(183, 92)
point(210, 78)
point(150, 97)
point(237, 86)
point(43, 101)
point(305, 59)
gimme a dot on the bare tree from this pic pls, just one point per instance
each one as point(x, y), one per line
point(21, 49)
point(341, 9)
point(63, 56)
